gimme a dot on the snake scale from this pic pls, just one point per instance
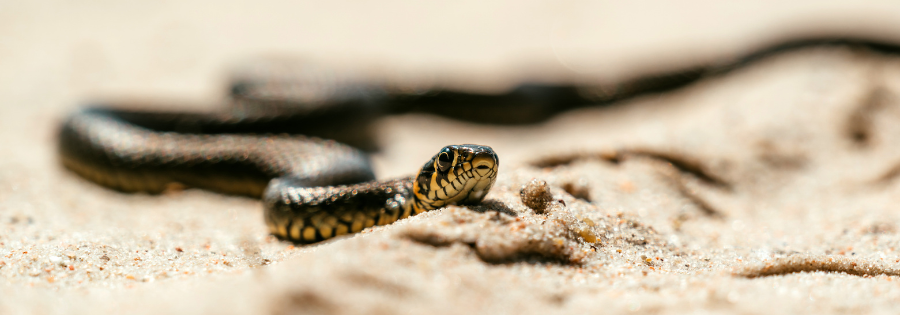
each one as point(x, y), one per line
point(266, 146)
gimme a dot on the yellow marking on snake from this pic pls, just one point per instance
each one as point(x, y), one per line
point(356, 226)
point(295, 229)
point(340, 230)
point(325, 231)
point(282, 230)
point(309, 233)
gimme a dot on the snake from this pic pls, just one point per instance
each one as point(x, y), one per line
point(297, 141)
point(312, 189)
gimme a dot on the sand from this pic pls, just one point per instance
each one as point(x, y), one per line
point(790, 207)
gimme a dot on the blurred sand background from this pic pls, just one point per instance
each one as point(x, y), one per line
point(801, 191)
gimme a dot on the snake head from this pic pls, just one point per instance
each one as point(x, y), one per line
point(457, 174)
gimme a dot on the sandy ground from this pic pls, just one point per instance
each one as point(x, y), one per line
point(793, 163)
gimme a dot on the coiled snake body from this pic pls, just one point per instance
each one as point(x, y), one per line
point(313, 189)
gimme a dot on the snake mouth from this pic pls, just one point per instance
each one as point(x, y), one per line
point(484, 160)
point(483, 165)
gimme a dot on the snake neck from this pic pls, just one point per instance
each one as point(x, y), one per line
point(306, 214)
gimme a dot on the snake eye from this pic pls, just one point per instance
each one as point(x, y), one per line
point(444, 161)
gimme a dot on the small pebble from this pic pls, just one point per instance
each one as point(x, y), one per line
point(536, 195)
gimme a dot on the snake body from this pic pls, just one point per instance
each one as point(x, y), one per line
point(312, 189)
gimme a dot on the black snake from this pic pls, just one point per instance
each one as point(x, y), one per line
point(315, 189)
point(310, 187)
